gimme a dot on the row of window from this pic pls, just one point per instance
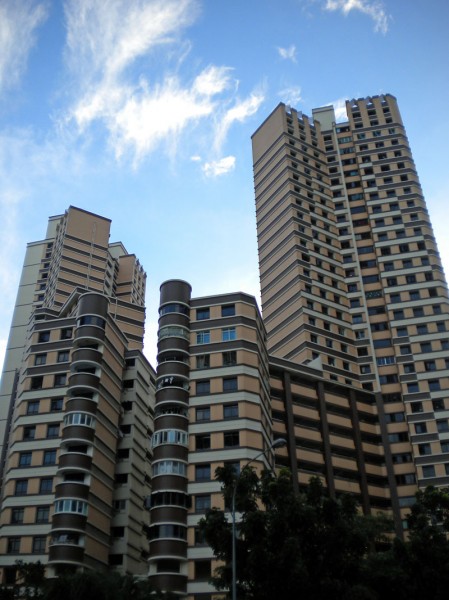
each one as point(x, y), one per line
point(230, 384)
point(56, 405)
point(64, 334)
point(227, 310)
point(37, 382)
point(38, 545)
point(49, 458)
point(42, 515)
point(230, 411)
point(45, 486)
point(229, 359)
point(231, 439)
point(29, 432)
point(41, 359)
point(227, 334)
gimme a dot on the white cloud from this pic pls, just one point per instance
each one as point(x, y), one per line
point(340, 110)
point(107, 44)
point(291, 95)
point(373, 8)
point(288, 53)
point(18, 24)
point(195, 158)
point(219, 167)
point(241, 110)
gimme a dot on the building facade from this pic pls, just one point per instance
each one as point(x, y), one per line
point(350, 272)
point(77, 400)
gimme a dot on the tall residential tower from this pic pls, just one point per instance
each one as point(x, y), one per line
point(350, 274)
point(76, 406)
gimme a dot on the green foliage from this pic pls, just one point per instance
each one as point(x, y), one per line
point(316, 547)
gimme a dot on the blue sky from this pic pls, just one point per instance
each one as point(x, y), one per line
point(143, 110)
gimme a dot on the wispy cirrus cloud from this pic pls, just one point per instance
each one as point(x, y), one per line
point(374, 9)
point(239, 112)
point(219, 167)
point(288, 53)
point(110, 49)
point(340, 109)
point(291, 95)
point(18, 24)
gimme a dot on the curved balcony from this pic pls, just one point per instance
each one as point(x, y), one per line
point(164, 514)
point(69, 521)
point(87, 356)
point(78, 433)
point(83, 380)
point(76, 404)
point(74, 462)
point(173, 582)
point(173, 343)
point(89, 332)
point(63, 553)
point(170, 452)
point(71, 489)
point(170, 421)
point(168, 547)
point(174, 319)
point(173, 368)
point(170, 394)
point(93, 303)
point(161, 483)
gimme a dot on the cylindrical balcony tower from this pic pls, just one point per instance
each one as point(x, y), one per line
point(68, 530)
point(169, 499)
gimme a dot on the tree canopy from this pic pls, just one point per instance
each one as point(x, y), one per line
point(320, 548)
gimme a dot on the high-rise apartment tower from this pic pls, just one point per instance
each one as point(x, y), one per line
point(350, 273)
point(76, 406)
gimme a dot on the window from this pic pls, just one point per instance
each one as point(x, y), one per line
point(228, 334)
point(203, 387)
point(443, 426)
point(231, 439)
point(39, 542)
point(17, 515)
point(202, 313)
point(421, 329)
point(63, 356)
point(49, 457)
point(44, 336)
point(46, 485)
point(401, 332)
point(434, 385)
point(229, 358)
point(33, 407)
point(66, 333)
point(203, 337)
point(21, 487)
point(438, 404)
point(37, 383)
point(428, 471)
point(60, 379)
point(228, 310)
point(416, 407)
point(412, 388)
point(25, 459)
point(202, 441)
point(426, 347)
point(230, 411)
point(420, 428)
point(40, 359)
point(203, 413)
point(203, 361)
point(202, 503)
point(52, 431)
point(13, 545)
point(424, 449)
point(202, 570)
point(202, 472)
point(56, 404)
point(230, 384)
point(29, 432)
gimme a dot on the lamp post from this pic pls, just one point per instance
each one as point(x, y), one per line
point(279, 443)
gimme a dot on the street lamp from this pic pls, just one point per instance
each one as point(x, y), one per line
point(279, 443)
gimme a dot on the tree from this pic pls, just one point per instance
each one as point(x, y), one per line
point(309, 542)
